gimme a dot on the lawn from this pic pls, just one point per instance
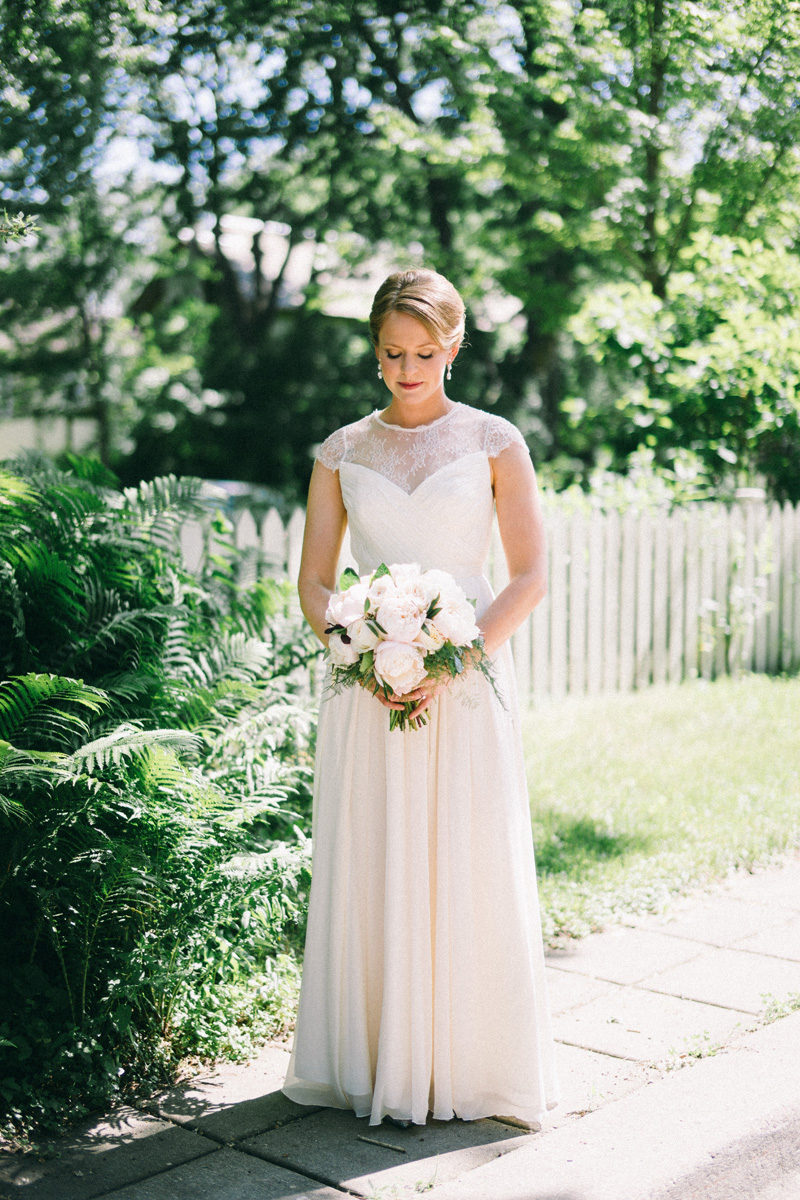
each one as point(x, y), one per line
point(640, 796)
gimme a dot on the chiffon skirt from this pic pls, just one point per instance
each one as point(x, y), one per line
point(423, 984)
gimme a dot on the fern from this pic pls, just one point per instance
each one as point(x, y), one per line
point(34, 701)
point(127, 741)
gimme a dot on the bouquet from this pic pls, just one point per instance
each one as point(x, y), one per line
point(394, 628)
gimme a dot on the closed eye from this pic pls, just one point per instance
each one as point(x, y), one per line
point(390, 355)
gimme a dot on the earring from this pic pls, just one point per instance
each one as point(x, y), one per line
point(449, 370)
point(380, 372)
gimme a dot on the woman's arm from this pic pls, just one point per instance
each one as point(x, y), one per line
point(519, 516)
point(326, 520)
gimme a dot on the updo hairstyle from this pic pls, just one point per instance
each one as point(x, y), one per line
point(423, 294)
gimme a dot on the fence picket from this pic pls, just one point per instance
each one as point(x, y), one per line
point(677, 564)
point(644, 603)
point(774, 589)
point(594, 605)
point(578, 569)
point(631, 601)
point(559, 559)
point(721, 585)
point(611, 604)
point(660, 596)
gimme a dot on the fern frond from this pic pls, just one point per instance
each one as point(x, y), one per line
point(91, 470)
point(127, 741)
point(14, 490)
point(28, 701)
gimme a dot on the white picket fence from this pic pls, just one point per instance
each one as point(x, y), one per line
point(703, 591)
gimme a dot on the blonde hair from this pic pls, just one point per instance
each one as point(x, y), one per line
point(423, 294)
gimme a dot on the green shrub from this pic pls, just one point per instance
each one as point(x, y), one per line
point(154, 769)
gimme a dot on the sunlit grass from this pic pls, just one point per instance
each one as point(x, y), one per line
point(640, 796)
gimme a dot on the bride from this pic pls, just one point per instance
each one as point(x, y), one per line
point(423, 985)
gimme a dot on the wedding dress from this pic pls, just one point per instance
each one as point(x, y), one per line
point(423, 983)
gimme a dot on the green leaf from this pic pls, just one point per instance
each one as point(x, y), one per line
point(380, 571)
point(347, 578)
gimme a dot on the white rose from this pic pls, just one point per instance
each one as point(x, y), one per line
point(346, 607)
point(400, 617)
point(429, 639)
point(361, 636)
point(343, 654)
point(456, 622)
point(400, 666)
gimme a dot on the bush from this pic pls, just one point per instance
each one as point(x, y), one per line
point(154, 769)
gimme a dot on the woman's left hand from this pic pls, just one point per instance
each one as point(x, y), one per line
point(425, 694)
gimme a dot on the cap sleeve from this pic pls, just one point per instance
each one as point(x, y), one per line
point(499, 434)
point(332, 451)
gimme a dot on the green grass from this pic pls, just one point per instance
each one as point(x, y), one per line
point(640, 796)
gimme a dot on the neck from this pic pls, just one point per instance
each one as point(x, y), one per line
point(409, 415)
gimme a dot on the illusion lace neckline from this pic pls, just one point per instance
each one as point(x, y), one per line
point(418, 428)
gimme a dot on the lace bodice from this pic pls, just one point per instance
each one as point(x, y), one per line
point(421, 495)
point(408, 456)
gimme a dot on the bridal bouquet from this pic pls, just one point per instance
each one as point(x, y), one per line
point(392, 629)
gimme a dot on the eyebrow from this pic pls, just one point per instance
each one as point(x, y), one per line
point(422, 346)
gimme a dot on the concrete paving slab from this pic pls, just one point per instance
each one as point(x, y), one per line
point(624, 955)
point(329, 1145)
point(236, 1101)
point(735, 978)
point(228, 1175)
point(661, 1135)
point(778, 885)
point(781, 941)
point(122, 1148)
point(567, 989)
point(764, 1167)
point(722, 920)
point(636, 1024)
point(245, 1120)
point(588, 1080)
point(227, 1084)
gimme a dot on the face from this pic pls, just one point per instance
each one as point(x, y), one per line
point(413, 365)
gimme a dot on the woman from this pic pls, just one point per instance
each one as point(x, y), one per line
point(423, 984)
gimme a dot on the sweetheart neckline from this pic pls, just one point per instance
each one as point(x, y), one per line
point(421, 484)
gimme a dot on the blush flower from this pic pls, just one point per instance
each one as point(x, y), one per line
point(346, 607)
point(343, 654)
point(400, 617)
point(455, 621)
point(399, 665)
point(361, 636)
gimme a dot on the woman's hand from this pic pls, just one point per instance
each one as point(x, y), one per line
point(422, 697)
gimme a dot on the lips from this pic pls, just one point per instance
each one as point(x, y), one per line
point(410, 386)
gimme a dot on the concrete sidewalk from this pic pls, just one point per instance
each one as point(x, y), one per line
point(674, 1088)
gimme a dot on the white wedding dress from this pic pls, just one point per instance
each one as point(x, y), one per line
point(423, 983)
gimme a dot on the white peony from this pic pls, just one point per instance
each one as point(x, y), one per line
point(343, 654)
point(382, 587)
point(439, 583)
point(456, 622)
point(400, 666)
point(346, 607)
point(400, 617)
point(361, 636)
point(429, 639)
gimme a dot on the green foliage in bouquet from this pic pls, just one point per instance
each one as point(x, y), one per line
point(155, 762)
